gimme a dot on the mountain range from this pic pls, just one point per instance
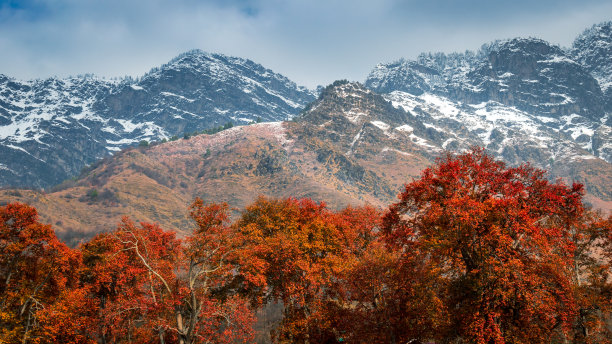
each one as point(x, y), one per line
point(525, 100)
point(50, 129)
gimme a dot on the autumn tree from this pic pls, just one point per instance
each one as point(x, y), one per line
point(149, 284)
point(389, 298)
point(65, 321)
point(128, 272)
point(35, 270)
point(293, 252)
point(498, 237)
point(208, 313)
point(592, 236)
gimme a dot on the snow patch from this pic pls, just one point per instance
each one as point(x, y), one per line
point(128, 126)
point(121, 142)
point(421, 141)
point(6, 168)
point(354, 116)
point(278, 129)
point(388, 149)
point(405, 128)
point(381, 125)
point(545, 119)
point(558, 59)
point(170, 94)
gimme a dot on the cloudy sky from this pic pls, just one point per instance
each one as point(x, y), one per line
point(311, 41)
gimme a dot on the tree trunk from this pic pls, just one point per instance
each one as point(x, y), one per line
point(179, 325)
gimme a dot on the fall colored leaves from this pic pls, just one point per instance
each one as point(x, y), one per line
point(509, 252)
point(473, 252)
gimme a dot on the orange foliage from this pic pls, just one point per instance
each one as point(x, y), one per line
point(593, 279)
point(150, 284)
point(35, 269)
point(127, 272)
point(293, 251)
point(499, 237)
point(473, 252)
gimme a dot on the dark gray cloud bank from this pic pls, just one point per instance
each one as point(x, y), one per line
point(310, 41)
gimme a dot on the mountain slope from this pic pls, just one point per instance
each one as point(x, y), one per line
point(529, 74)
point(537, 88)
point(350, 146)
point(50, 129)
point(280, 159)
point(592, 49)
point(46, 126)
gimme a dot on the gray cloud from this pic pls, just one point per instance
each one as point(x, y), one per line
point(312, 42)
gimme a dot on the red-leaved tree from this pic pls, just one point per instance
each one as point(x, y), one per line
point(152, 287)
point(499, 238)
point(294, 252)
point(35, 270)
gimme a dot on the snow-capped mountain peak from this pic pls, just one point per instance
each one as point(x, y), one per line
point(524, 88)
point(50, 129)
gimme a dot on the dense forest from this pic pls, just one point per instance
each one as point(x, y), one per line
point(472, 252)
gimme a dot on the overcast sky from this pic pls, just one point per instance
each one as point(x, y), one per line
point(310, 41)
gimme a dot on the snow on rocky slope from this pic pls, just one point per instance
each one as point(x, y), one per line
point(50, 129)
point(524, 99)
point(515, 93)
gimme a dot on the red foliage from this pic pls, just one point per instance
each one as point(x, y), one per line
point(499, 238)
point(35, 269)
point(151, 285)
point(473, 252)
point(294, 251)
point(129, 272)
point(593, 278)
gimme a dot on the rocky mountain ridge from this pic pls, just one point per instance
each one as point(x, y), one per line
point(50, 129)
point(562, 91)
point(592, 49)
point(525, 100)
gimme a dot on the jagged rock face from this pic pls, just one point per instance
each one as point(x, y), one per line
point(593, 50)
point(536, 77)
point(406, 76)
point(50, 129)
point(47, 130)
point(562, 94)
point(364, 124)
point(529, 74)
point(352, 105)
point(198, 90)
point(350, 127)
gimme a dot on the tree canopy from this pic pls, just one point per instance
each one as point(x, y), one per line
point(473, 251)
